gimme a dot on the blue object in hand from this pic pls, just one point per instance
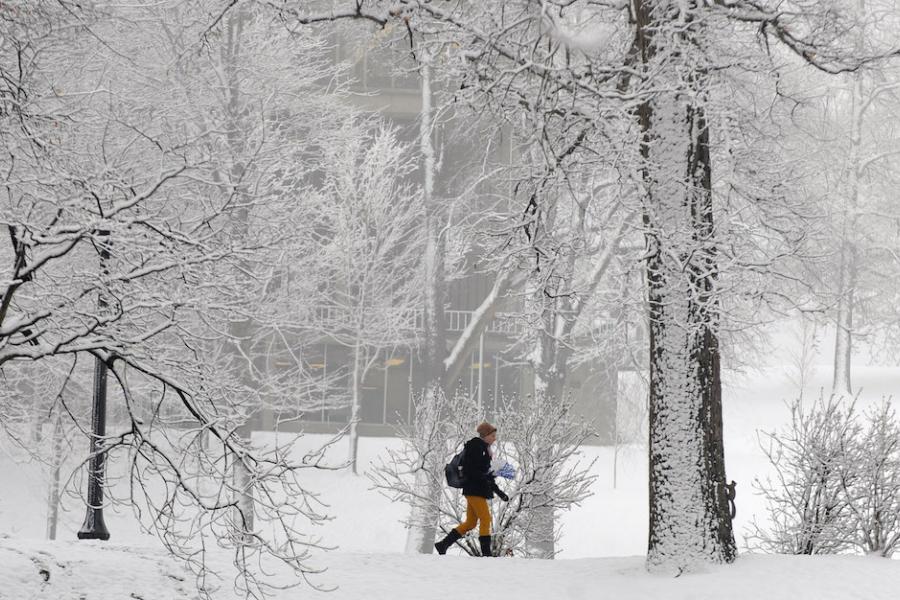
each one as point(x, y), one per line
point(507, 471)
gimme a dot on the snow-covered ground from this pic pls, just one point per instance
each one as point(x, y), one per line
point(72, 570)
point(368, 562)
point(96, 571)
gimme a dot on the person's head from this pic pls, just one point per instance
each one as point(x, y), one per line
point(487, 432)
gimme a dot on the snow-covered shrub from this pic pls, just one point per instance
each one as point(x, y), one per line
point(542, 438)
point(539, 436)
point(816, 458)
point(874, 497)
point(415, 472)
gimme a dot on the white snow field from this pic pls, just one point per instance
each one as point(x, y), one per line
point(96, 571)
point(601, 547)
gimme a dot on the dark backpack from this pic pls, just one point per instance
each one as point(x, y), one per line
point(456, 478)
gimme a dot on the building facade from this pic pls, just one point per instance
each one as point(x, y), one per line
point(386, 82)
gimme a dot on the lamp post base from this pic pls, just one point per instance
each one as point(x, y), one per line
point(94, 527)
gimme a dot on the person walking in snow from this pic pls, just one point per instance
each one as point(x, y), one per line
point(478, 487)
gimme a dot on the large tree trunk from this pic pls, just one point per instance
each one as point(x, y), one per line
point(689, 518)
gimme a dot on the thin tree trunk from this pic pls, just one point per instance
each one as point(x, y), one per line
point(550, 361)
point(843, 337)
point(58, 437)
point(846, 293)
point(424, 513)
point(540, 537)
point(241, 331)
point(354, 410)
point(245, 521)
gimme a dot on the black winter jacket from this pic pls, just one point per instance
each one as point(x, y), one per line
point(477, 470)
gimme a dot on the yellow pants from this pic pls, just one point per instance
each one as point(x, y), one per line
point(477, 510)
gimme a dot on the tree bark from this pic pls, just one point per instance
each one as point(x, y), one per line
point(689, 519)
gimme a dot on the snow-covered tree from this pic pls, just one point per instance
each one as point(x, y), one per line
point(153, 196)
point(369, 221)
point(569, 257)
point(856, 163)
point(652, 75)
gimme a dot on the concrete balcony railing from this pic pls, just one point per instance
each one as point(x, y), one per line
point(502, 323)
point(336, 318)
point(510, 324)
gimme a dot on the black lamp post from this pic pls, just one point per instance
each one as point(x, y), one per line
point(94, 527)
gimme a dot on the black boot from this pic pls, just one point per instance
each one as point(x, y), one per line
point(448, 541)
point(485, 541)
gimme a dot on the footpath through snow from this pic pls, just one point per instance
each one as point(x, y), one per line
point(69, 570)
